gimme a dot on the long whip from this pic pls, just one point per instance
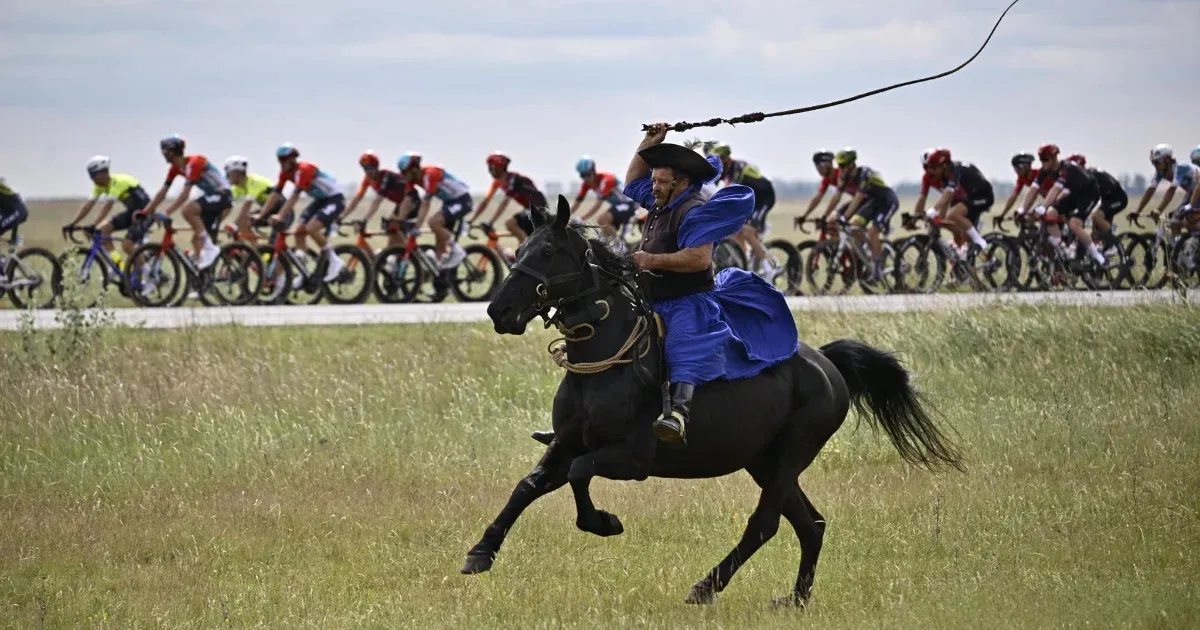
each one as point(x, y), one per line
point(759, 116)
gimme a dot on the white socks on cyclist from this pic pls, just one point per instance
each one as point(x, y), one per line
point(973, 234)
point(1096, 255)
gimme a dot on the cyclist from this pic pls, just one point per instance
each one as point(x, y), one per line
point(1196, 155)
point(318, 218)
point(966, 195)
point(108, 188)
point(1112, 199)
point(1177, 175)
point(388, 185)
point(516, 187)
point(1027, 176)
point(248, 189)
point(872, 203)
point(203, 214)
point(607, 188)
point(830, 176)
point(1070, 198)
point(742, 172)
point(12, 208)
point(456, 203)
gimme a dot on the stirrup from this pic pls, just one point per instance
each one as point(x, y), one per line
point(672, 428)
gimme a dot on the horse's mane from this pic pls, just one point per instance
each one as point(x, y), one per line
point(610, 261)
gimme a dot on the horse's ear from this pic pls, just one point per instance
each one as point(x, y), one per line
point(564, 214)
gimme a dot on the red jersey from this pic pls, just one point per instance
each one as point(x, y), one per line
point(310, 179)
point(606, 185)
point(201, 173)
point(389, 185)
point(519, 188)
point(1027, 180)
point(834, 179)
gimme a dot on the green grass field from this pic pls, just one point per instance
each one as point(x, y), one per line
point(327, 478)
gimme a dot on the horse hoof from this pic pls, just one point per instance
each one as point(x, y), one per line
point(701, 593)
point(610, 524)
point(477, 564)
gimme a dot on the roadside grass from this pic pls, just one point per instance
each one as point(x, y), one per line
point(336, 477)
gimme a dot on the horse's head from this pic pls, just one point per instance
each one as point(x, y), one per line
point(552, 271)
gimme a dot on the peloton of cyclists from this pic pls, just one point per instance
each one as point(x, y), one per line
point(1069, 199)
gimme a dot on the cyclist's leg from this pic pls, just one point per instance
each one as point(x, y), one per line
point(956, 219)
point(191, 214)
point(15, 216)
point(607, 221)
point(118, 223)
point(520, 225)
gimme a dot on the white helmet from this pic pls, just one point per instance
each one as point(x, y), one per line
point(1196, 155)
point(1161, 152)
point(925, 156)
point(97, 164)
point(235, 164)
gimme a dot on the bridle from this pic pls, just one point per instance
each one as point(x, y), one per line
point(593, 299)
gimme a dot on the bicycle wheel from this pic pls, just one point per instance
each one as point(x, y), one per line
point(1187, 261)
point(155, 275)
point(787, 258)
point(237, 275)
point(728, 254)
point(477, 277)
point(804, 250)
point(397, 277)
point(830, 270)
point(353, 284)
point(1136, 248)
point(886, 282)
point(1158, 261)
point(999, 272)
point(920, 265)
point(276, 277)
point(34, 278)
point(438, 289)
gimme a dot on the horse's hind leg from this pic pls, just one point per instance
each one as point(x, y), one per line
point(763, 524)
point(810, 529)
point(549, 475)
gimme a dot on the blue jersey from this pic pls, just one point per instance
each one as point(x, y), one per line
point(1185, 177)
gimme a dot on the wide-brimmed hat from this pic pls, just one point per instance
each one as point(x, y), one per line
point(680, 158)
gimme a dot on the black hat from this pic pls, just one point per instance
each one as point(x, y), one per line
point(681, 158)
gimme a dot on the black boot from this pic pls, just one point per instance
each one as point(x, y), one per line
point(673, 428)
point(545, 437)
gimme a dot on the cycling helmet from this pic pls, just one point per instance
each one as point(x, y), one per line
point(1025, 159)
point(235, 164)
point(721, 149)
point(925, 156)
point(410, 159)
point(368, 159)
point(286, 150)
point(585, 166)
point(1047, 151)
point(1196, 155)
point(1161, 152)
point(822, 156)
point(174, 143)
point(498, 160)
point(846, 156)
point(938, 157)
point(97, 164)
point(1078, 159)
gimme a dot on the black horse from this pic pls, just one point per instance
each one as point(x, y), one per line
point(772, 425)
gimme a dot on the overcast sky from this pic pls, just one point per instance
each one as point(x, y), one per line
point(548, 80)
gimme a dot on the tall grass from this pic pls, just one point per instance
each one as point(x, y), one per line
point(336, 477)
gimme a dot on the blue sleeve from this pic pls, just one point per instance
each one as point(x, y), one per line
point(639, 190)
point(720, 217)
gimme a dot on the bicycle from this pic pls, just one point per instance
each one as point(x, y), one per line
point(283, 265)
point(1067, 265)
point(96, 268)
point(1151, 248)
point(918, 252)
point(403, 269)
point(24, 275)
point(164, 265)
point(849, 258)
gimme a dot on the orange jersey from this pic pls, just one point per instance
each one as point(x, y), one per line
point(201, 173)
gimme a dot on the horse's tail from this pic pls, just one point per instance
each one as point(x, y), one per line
point(880, 390)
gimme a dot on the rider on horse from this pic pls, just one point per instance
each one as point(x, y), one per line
point(730, 327)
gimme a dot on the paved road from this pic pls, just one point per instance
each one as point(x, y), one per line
point(433, 313)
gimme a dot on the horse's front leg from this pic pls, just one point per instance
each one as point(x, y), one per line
point(549, 475)
point(624, 461)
